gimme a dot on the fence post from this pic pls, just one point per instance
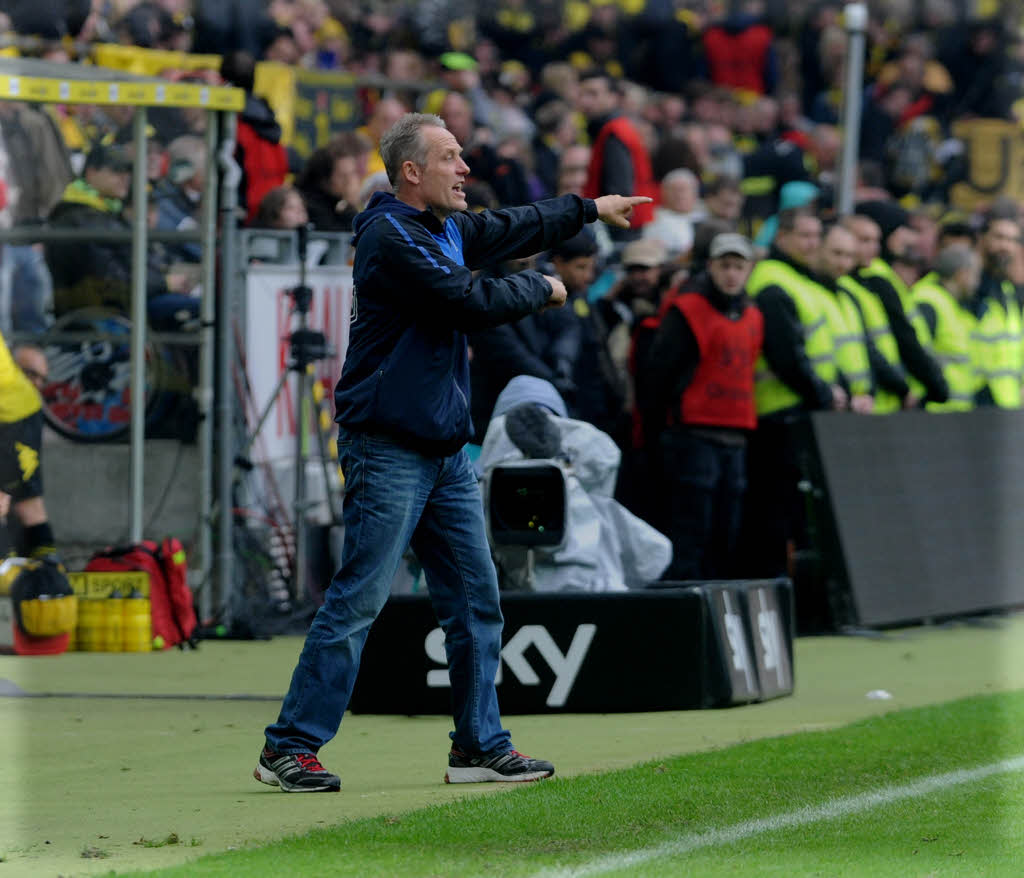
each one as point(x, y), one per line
point(225, 345)
point(140, 243)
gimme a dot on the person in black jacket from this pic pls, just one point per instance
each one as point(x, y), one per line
point(599, 389)
point(774, 512)
point(98, 273)
point(258, 149)
point(897, 239)
point(619, 160)
point(544, 344)
point(330, 183)
point(402, 406)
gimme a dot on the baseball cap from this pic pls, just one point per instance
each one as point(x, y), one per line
point(458, 61)
point(109, 156)
point(730, 243)
point(646, 252)
point(583, 243)
point(888, 214)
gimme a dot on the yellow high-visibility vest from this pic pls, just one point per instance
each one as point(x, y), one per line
point(770, 393)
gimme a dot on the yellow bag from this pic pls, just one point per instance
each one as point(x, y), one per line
point(43, 601)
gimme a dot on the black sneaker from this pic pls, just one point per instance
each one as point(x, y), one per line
point(506, 766)
point(295, 773)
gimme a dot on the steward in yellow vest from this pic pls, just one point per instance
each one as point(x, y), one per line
point(796, 374)
point(836, 258)
point(898, 239)
point(950, 327)
point(892, 390)
point(1000, 327)
point(797, 369)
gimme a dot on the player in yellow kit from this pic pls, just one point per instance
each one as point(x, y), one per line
point(21, 430)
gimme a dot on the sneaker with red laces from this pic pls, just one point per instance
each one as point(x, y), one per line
point(506, 766)
point(295, 773)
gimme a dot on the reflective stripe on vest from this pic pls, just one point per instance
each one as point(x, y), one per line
point(954, 345)
point(999, 335)
point(1006, 380)
point(851, 353)
point(770, 392)
point(876, 324)
point(881, 268)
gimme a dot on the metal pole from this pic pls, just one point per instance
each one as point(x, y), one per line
point(140, 229)
point(302, 392)
point(855, 19)
point(230, 179)
point(207, 352)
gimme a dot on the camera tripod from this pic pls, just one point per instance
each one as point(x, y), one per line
point(306, 347)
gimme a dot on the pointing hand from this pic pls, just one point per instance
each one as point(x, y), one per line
point(615, 209)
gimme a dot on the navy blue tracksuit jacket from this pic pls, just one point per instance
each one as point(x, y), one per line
point(406, 371)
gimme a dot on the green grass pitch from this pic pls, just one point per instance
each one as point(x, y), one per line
point(95, 785)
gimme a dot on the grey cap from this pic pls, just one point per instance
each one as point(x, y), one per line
point(730, 243)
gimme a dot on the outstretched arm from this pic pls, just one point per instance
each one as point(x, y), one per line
point(517, 232)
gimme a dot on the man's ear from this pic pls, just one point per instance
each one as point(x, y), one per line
point(410, 172)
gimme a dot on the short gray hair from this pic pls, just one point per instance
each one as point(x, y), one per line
point(682, 174)
point(952, 259)
point(187, 149)
point(402, 143)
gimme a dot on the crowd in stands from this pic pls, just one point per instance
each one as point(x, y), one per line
point(727, 114)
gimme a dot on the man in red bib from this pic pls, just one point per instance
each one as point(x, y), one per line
point(701, 363)
point(618, 154)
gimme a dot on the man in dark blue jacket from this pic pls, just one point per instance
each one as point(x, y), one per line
point(403, 412)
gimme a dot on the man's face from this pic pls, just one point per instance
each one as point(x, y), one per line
point(284, 50)
point(345, 179)
point(802, 241)
point(567, 131)
point(642, 280)
point(596, 98)
point(458, 116)
point(293, 212)
point(726, 204)
point(385, 114)
point(730, 273)
point(109, 183)
point(838, 254)
point(999, 245)
point(442, 177)
point(576, 273)
point(572, 172)
point(679, 195)
point(868, 238)
point(33, 363)
point(904, 244)
point(966, 280)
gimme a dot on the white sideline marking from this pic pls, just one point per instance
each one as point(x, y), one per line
point(811, 814)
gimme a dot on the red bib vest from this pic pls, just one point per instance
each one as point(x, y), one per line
point(721, 393)
point(264, 165)
point(737, 59)
point(643, 176)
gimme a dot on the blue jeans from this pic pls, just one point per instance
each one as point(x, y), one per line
point(393, 497)
point(31, 288)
